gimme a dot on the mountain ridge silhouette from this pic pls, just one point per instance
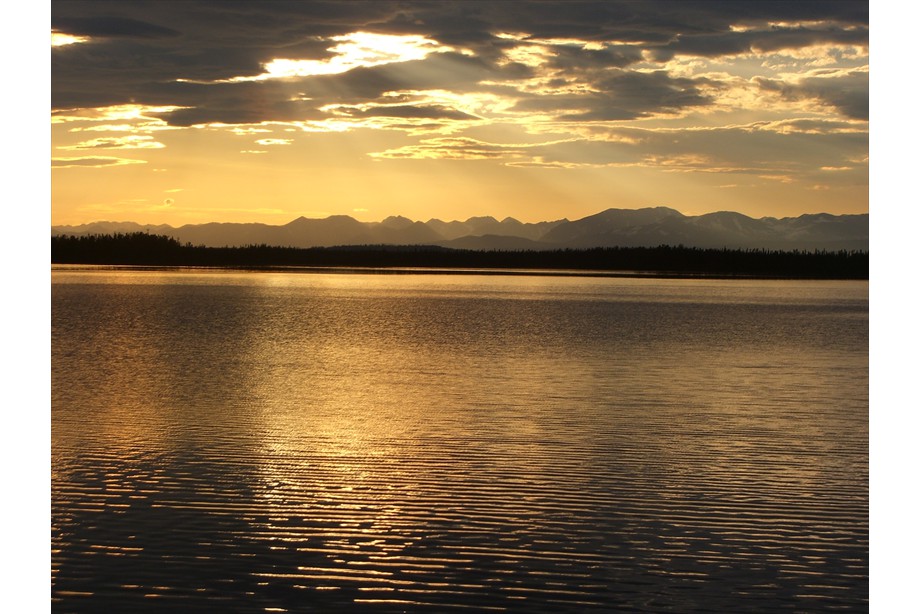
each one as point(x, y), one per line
point(644, 227)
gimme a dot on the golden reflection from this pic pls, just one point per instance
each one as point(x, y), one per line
point(393, 436)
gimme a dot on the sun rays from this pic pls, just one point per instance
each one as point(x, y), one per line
point(425, 110)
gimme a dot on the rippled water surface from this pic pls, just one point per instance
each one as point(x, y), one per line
point(268, 442)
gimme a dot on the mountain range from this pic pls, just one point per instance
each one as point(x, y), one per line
point(648, 227)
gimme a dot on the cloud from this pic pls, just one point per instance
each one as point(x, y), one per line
point(770, 39)
point(210, 41)
point(810, 125)
point(92, 162)
point(60, 40)
point(676, 86)
point(743, 150)
point(125, 112)
point(454, 149)
point(108, 26)
point(847, 91)
point(402, 111)
point(446, 71)
point(617, 95)
point(237, 64)
point(251, 103)
point(350, 51)
point(582, 56)
point(122, 142)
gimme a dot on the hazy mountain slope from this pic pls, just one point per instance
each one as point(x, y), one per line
point(402, 233)
point(479, 226)
point(613, 227)
point(849, 231)
point(821, 231)
point(333, 230)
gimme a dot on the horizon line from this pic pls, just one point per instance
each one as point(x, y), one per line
point(473, 217)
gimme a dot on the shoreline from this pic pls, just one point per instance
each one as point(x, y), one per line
point(498, 271)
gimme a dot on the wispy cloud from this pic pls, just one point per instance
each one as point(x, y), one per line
point(269, 142)
point(460, 148)
point(123, 142)
point(93, 162)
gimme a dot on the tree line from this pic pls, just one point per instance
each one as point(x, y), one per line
point(144, 249)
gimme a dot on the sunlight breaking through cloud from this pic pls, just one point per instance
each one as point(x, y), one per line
point(122, 112)
point(619, 101)
point(355, 50)
point(59, 39)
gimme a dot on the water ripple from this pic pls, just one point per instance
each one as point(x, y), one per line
point(226, 443)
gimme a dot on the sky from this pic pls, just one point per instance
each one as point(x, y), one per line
point(201, 111)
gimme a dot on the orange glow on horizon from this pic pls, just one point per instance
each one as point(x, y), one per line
point(374, 122)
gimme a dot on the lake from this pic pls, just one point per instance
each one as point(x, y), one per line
point(291, 441)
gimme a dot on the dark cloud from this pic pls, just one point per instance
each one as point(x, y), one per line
point(848, 92)
point(293, 99)
point(573, 60)
point(439, 71)
point(622, 95)
point(471, 22)
point(660, 21)
point(411, 112)
point(141, 51)
point(238, 103)
point(117, 27)
point(762, 41)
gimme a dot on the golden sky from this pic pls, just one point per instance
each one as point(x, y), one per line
point(191, 112)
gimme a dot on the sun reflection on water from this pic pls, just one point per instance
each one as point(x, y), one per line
point(385, 440)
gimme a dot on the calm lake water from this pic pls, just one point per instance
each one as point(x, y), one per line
point(270, 442)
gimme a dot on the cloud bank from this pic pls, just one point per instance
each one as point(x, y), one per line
point(771, 89)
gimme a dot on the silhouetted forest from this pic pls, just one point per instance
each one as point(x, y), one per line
point(155, 250)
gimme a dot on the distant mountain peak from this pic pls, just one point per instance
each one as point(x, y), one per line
point(650, 227)
point(397, 221)
point(660, 210)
